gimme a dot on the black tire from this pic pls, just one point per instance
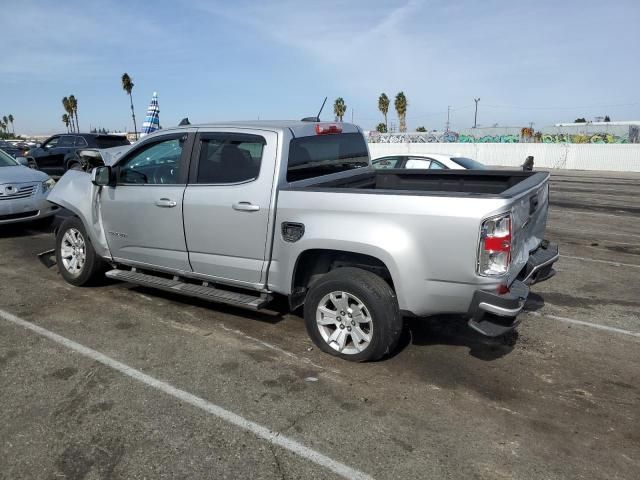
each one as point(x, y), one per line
point(93, 264)
point(73, 165)
point(379, 300)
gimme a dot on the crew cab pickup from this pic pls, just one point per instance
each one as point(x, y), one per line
point(241, 213)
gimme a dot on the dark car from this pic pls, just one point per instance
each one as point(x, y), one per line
point(15, 150)
point(58, 153)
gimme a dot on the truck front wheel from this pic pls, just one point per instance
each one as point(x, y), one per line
point(353, 314)
point(77, 261)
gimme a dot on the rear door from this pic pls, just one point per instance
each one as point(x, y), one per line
point(227, 204)
point(142, 214)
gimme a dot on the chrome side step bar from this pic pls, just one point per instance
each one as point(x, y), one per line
point(205, 292)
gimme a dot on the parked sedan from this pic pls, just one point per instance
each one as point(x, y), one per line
point(13, 149)
point(431, 161)
point(23, 192)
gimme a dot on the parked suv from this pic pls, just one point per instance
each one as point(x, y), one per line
point(58, 153)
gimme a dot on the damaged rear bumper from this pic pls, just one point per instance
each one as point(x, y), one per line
point(494, 314)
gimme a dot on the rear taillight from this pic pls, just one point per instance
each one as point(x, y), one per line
point(494, 253)
point(326, 129)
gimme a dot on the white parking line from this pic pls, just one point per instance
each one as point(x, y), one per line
point(215, 410)
point(609, 262)
point(587, 324)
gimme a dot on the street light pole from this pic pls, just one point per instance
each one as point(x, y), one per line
point(475, 117)
point(448, 112)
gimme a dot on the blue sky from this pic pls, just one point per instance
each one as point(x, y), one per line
point(543, 61)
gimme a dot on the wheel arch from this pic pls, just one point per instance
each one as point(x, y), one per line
point(313, 263)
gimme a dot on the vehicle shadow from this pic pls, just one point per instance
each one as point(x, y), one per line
point(453, 330)
point(26, 229)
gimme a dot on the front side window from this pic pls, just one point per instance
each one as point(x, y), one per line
point(386, 162)
point(51, 143)
point(155, 164)
point(229, 158)
point(66, 141)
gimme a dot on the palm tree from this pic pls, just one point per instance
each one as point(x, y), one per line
point(67, 108)
point(401, 105)
point(339, 108)
point(73, 103)
point(5, 120)
point(383, 106)
point(3, 126)
point(65, 120)
point(127, 86)
point(13, 130)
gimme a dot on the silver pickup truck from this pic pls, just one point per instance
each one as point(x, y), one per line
point(243, 212)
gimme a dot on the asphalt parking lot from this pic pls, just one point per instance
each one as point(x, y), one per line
point(559, 399)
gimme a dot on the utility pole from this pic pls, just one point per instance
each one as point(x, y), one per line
point(448, 114)
point(475, 117)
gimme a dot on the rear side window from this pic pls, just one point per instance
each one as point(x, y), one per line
point(108, 142)
point(319, 155)
point(229, 158)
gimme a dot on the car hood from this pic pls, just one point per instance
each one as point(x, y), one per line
point(21, 174)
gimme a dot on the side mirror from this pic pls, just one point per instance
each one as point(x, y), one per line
point(22, 161)
point(38, 145)
point(101, 176)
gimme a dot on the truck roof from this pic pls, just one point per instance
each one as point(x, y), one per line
point(297, 127)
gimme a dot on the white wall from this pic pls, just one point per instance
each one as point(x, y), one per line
point(623, 157)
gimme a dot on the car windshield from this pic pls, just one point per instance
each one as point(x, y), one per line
point(6, 160)
point(324, 154)
point(469, 163)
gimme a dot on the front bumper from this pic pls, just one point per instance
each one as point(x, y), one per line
point(26, 209)
point(494, 314)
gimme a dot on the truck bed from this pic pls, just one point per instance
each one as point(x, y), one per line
point(500, 183)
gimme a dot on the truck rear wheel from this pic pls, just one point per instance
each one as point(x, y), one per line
point(78, 262)
point(353, 314)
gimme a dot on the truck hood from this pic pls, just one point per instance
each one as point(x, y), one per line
point(21, 174)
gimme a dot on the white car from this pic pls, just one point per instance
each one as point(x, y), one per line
point(430, 161)
point(23, 192)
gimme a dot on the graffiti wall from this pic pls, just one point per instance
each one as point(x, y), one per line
point(612, 135)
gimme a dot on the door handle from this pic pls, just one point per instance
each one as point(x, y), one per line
point(246, 207)
point(166, 202)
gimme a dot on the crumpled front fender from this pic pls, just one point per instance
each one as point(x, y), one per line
point(75, 192)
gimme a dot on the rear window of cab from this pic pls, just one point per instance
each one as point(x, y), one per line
point(319, 155)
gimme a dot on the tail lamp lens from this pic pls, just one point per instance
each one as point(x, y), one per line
point(495, 246)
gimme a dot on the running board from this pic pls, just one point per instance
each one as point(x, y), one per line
point(206, 292)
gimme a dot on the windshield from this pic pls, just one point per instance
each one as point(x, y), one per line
point(324, 154)
point(469, 163)
point(6, 160)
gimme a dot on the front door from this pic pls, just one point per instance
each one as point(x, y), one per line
point(52, 155)
point(142, 214)
point(227, 205)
